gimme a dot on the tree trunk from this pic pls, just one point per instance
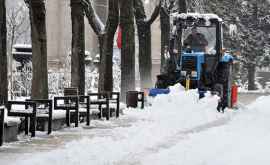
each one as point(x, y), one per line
point(39, 49)
point(128, 47)
point(100, 7)
point(182, 6)
point(78, 47)
point(145, 45)
point(106, 41)
point(3, 54)
point(145, 55)
point(165, 36)
point(251, 77)
point(106, 63)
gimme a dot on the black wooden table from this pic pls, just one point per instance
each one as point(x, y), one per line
point(68, 103)
point(44, 107)
point(28, 112)
point(100, 99)
point(2, 122)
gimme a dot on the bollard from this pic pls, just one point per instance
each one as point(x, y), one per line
point(187, 83)
point(234, 95)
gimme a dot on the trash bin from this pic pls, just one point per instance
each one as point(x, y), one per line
point(132, 99)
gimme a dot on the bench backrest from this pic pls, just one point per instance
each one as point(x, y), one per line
point(99, 95)
point(42, 104)
point(2, 117)
point(71, 91)
point(25, 105)
point(66, 102)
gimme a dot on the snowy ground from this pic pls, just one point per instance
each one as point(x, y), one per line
point(177, 129)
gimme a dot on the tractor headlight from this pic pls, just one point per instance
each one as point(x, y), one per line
point(193, 74)
point(183, 73)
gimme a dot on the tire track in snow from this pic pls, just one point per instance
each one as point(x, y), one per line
point(135, 158)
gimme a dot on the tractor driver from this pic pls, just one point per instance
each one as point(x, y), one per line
point(196, 41)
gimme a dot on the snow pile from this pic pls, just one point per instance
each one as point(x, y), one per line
point(169, 115)
point(245, 140)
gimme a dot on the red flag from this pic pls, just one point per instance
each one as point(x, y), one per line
point(119, 38)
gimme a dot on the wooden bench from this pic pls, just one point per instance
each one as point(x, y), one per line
point(44, 109)
point(27, 110)
point(115, 99)
point(68, 103)
point(107, 101)
point(84, 103)
point(2, 121)
point(100, 99)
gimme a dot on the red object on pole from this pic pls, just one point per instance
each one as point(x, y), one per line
point(234, 95)
point(119, 38)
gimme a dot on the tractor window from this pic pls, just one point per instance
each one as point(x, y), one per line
point(200, 39)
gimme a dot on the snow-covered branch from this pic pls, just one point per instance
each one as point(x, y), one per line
point(92, 17)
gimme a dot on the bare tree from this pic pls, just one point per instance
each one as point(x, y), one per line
point(17, 26)
point(106, 71)
point(128, 47)
point(144, 35)
point(39, 48)
point(105, 35)
point(182, 6)
point(78, 46)
point(165, 31)
point(3, 54)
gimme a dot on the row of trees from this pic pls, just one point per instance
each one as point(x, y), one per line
point(250, 21)
point(120, 12)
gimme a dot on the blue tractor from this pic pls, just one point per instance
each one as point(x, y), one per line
point(198, 62)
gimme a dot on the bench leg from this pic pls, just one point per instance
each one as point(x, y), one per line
point(117, 110)
point(26, 120)
point(77, 118)
point(1, 127)
point(111, 112)
point(50, 124)
point(88, 117)
point(68, 118)
point(33, 122)
point(108, 113)
point(100, 110)
point(108, 110)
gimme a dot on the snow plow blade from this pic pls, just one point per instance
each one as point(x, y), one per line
point(157, 91)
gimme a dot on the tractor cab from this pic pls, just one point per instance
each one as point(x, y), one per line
point(197, 47)
point(200, 46)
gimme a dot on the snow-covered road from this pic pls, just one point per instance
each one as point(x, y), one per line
point(177, 129)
